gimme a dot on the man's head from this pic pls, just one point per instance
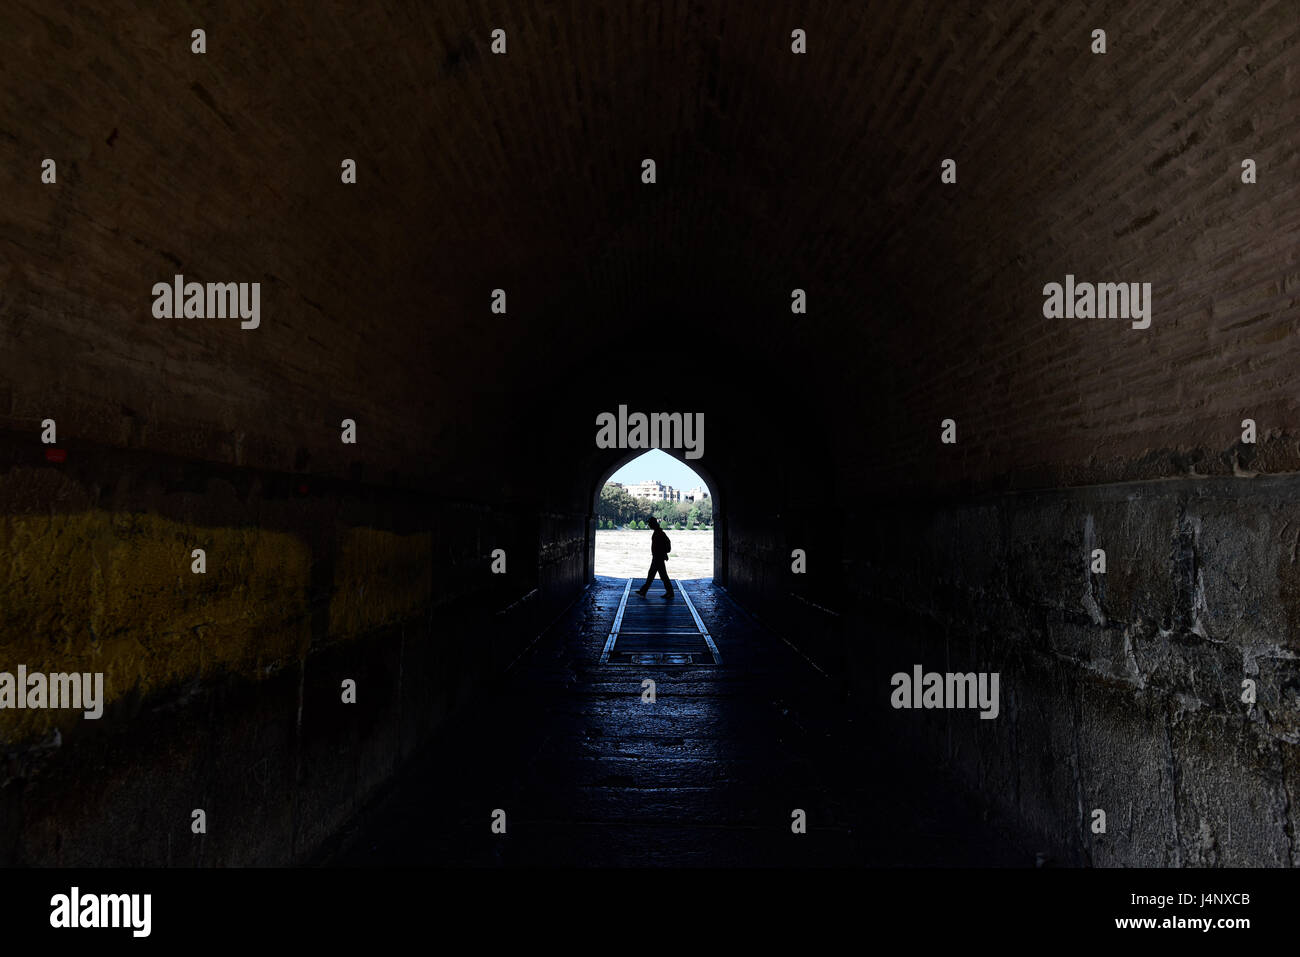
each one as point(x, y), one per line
point(654, 523)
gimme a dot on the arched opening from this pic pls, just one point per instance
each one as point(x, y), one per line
point(676, 492)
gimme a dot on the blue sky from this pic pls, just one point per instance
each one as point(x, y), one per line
point(658, 464)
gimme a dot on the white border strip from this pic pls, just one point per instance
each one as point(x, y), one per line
point(618, 621)
point(717, 658)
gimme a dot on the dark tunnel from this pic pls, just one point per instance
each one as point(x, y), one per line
point(882, 390)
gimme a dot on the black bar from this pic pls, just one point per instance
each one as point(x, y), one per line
point(325, 908)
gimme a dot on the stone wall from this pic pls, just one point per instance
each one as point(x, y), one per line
point(223, 690)
point(1120, 691)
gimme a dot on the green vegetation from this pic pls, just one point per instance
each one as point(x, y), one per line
point(618, 509)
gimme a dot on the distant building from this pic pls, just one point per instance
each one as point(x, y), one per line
point(657, 491)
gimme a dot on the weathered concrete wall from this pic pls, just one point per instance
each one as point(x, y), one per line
point(1120, 691)
point(223, 690)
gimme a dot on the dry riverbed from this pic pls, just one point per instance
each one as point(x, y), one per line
point(626, 554)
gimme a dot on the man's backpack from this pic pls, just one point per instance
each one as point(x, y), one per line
point(668, 546)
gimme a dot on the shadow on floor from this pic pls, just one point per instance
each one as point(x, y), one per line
point(589, 774)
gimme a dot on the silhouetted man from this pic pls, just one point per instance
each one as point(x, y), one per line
point(660, 546)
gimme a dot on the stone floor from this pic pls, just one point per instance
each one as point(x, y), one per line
point(709, 774)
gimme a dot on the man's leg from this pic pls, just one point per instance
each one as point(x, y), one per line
point(663, 573)
point(648, 579)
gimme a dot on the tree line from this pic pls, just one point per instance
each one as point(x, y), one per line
point(618, 509)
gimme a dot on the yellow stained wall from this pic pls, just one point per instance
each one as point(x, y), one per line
point(114, 592)
point(379, 578)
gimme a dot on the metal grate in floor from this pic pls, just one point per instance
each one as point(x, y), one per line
point(654, 630)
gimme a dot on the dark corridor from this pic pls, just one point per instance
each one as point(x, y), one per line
point(324, 323)
point(710, 774)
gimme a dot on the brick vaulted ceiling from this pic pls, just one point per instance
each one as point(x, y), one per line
point(775, 171)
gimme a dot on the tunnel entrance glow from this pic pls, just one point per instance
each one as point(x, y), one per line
point(654, 485)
